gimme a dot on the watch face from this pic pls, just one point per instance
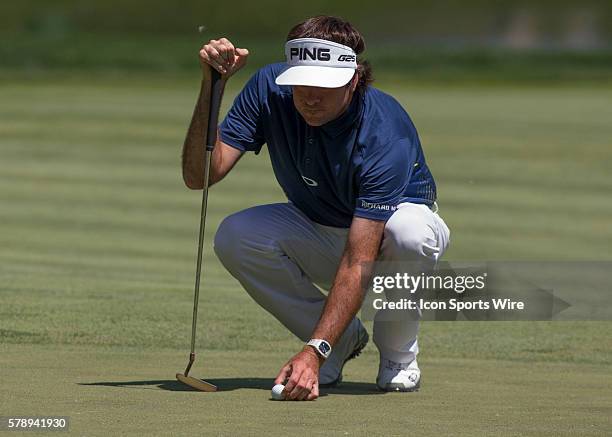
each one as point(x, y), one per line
point(324, 348)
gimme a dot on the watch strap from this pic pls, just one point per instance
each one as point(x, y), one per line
point(322, 347)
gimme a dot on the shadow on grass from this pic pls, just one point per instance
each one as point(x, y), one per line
point(230, 384)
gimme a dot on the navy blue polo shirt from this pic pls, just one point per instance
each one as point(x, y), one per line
point(364, 163)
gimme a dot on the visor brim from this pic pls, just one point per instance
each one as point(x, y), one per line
point(312, 75)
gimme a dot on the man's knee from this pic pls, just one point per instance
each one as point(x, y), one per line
point(409, 235)
point(229, 238)
point(245, 237)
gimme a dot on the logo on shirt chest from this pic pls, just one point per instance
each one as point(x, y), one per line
point(310, 182)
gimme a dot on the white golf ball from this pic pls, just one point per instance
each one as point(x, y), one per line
point(277, 392)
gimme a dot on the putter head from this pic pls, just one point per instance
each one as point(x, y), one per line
point(198, 384)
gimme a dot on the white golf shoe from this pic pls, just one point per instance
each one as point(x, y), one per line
point(330, 374)
point(394, 376)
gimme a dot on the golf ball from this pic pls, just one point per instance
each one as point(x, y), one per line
point(277, 392)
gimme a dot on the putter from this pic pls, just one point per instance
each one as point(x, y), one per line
point(216, 90)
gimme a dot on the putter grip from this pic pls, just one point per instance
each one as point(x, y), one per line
point(216, 85)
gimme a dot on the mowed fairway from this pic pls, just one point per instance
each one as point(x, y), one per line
point(97, 258)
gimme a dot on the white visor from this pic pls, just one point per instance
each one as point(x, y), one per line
point(317, 62)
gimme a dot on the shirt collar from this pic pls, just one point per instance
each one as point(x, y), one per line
point(348, 119)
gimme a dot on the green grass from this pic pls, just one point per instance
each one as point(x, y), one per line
point(133, 392)
point(34, 54)
point(97, 256)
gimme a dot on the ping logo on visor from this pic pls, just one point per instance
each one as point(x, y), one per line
point(303, 53)
point(313, 51)
point(317, 62)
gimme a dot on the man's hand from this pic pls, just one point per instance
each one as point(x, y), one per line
point(221, 55)
point(302, 373)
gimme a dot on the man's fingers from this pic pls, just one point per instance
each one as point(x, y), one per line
point(291, 383)
point(306, 391)
point(241, 57)
point(223, 56)
point(214, 59)
point(284, 373)
point(301, 386)
point(214, 54)
point(242, 52)
point(302, 389)
point(314, 393)
point(229, 54)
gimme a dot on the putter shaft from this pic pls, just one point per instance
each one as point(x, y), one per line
point(216, 91)
point(196, 295)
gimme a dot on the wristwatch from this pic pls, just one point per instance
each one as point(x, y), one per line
point(322, 347)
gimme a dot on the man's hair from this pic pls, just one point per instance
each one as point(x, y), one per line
point(340, 31)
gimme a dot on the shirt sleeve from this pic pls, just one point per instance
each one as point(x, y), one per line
point(384, 178)
point(242, 126)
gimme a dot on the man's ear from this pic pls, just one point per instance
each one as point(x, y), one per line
point(355, 81)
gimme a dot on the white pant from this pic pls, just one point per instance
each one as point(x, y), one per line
point(278, 254)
